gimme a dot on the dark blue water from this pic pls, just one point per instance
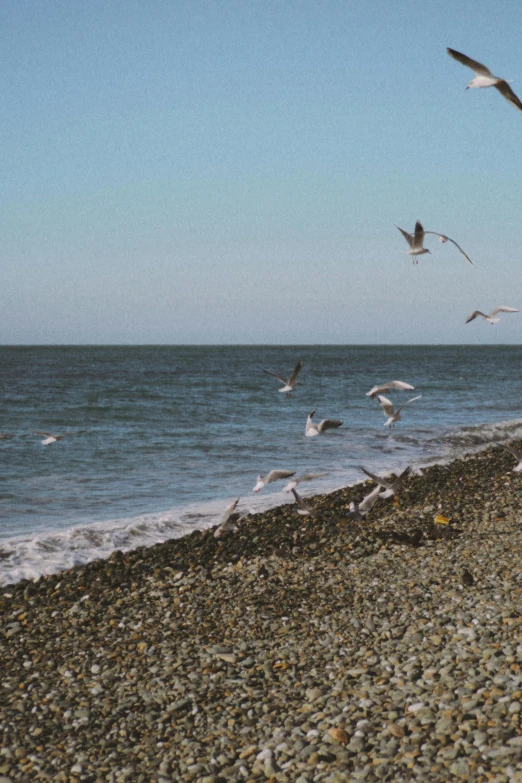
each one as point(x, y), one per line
point(175, 433)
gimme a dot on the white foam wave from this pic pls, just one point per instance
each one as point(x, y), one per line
point(482, 434)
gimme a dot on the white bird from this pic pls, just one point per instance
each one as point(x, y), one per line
point(491, 317)
point(358, 511)
point(416, 241)
point(305, 509)
point(313, 429)
point(290, 384)
point(516, 454)
point(274, 475)
point(229, 517)
point(305, 477)
point(484, 78)
point(394, 415)
point(385, 387)
point(391, 487)
point(50, 438)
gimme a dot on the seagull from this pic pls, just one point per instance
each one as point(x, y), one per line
point(491, 317)
point(358, 511)
point(391, 487)
point(229, 517)
point(516, 454)
point(291, 383)
point(394, 415)
point(305, 477)
point(274, 475)
point(484, 78)
point(416, 241)
point(385, 387)
point(50, 438)
point(318, 429)
point(305, 509)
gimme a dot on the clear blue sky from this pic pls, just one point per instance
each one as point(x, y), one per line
point(231, 171)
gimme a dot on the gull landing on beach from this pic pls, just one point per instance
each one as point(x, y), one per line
point(305, 509)
point(358, 511)
point(416, 242)
point(313, 429)
point(50, 438)
point(291, 383)
point(229, 518)
point(394, 415)
point(484, 78)
point(386, 387)
point(274, 475)
point(491, 317)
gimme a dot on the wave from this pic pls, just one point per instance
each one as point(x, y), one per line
point(481, 434)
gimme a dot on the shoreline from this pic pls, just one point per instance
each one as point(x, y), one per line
point(295, 649)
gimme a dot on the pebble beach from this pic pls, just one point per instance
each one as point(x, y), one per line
point(293, 650)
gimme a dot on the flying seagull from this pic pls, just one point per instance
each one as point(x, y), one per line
point(416, 241)
point(391, 487)
point(358, 511)
point(517, 455)
point(318, 429)
point(394, 415)
point(50, 438)
point(385, 387)
point(484, 78)
point(305, 509)
point(274, 475)
point(290, 384)
point(229, 517)
point(491, 317)
point(305, 477)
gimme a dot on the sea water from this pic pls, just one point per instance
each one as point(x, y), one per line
point(175, 433)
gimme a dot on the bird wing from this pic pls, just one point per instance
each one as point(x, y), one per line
point(310, 477)
point(408, 402)
point(375, 390)
point(269, 372)
point(474, 314)
point(418, 238)
point(505, 90)
point(473, 64)
point(400, 385)
point(382, 482)
point(300, 500)
point(370, 500)
point(329, 424)
point(512, 451)
point(275, 475)
point(47, 434)
point(386, 405)
point(449, 239)
point(408, 237)
point(295, 373)
point(229, 510)
point(503, 309)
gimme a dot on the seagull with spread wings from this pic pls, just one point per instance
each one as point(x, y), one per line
point(385, 387)
point(391, 487)
point(274, 475)
point(491, 317)
point(484, 78)
point(394, 415)
point(305, 477)
point(290, 384)
point(358, 511)
point(313, 429)
point(305, 509)
point(416, 242)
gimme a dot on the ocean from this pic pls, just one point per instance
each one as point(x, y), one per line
point(174, 433)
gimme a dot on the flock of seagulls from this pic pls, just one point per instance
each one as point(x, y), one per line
point(385, 487)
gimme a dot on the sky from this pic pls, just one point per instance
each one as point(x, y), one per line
point(232, 171)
